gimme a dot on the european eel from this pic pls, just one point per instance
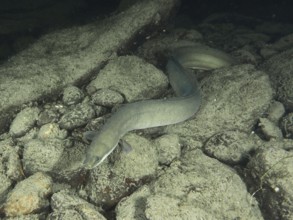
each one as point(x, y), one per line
point(153, 113)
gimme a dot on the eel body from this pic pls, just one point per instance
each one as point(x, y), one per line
point(153, 113)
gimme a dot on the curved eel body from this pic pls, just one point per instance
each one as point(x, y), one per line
point(153, 113)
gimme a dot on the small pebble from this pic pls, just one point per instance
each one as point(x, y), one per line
point(24, 121)
point(270, 129)
point(72, 95)
point(52, 130)
point(168, 148)
point(47, 116)
point(77, 117)
point(107, 98)
point(276, 111)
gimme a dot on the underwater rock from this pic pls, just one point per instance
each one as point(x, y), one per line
point(193, 188)
point(271, 172)
point(107, 98)
point(72, 95)
point(29, 195)
point(65, 205)
point(269, 129)
point(279, 68)
point(78, 116)
point(131, 76)
point(168, 147)
point(231, 147)
point(233, 99)
point(24, 121)
point(122, 173)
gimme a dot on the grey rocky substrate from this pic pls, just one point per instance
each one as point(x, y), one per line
point(153, 181)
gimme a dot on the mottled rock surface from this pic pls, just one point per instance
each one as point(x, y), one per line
point(233, 98)
point(69, 206)
point(280, 69)
point(29, 195)
point(134, 78)
point(24, 121)
point(220, 164)
point(75, 52)
point(272, 171)
point(191, 189)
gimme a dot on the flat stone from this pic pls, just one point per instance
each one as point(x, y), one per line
point(131, 76)
point(231, 147)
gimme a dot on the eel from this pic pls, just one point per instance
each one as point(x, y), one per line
point(153, 113)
